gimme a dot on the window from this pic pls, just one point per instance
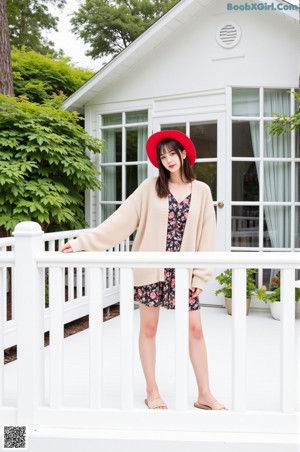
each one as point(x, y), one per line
point(123, 162)
point(265, 170)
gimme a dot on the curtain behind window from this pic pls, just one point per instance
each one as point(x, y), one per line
point(277, 175)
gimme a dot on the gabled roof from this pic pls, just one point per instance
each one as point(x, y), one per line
point(151, 38)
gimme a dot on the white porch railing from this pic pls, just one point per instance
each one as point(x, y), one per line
point(29, 261)
point(75, 297)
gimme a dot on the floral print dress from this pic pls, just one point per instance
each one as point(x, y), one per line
point(162, 293)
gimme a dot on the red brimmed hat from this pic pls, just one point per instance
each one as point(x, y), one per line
point(182, 138)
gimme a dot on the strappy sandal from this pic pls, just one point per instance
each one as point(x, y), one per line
point(214, 406)
point(155, 404)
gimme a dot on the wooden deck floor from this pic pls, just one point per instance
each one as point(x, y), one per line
point(263, 362)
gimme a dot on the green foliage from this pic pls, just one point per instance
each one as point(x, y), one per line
point(274, 293)
point(225, 279)
point(109, 27)
point(40, 77)
point(43, 166)
point(28, 19)
point(283, 123)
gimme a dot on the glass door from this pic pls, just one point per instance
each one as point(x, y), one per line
point(265, 173)
point(208, 135)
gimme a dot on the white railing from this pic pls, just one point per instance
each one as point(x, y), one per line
point(76, 298)
point(30, 261)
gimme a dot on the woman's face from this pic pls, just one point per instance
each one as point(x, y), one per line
point(171, 160)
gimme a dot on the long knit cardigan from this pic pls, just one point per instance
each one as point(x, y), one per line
point(146, 213)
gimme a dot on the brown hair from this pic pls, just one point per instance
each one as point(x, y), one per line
point(187, 173)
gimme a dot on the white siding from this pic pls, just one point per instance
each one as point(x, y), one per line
point(191, 60)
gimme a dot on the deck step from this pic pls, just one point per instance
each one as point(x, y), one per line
point(93, 440)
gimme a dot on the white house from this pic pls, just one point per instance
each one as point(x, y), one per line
point(217, 71)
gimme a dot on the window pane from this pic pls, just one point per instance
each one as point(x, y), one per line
point(277, 226)
point(135, 174)
point(276, 145)
point(245, 226)
point(180, 127)
point(245, 185)
point(135, 144)
point(204, 137)
point(245, 102)
point(113, 146)
point(113, 119)
point(276, 101)
point(207, 172)
point(107, 210)
point(277, 181)
point(245, 139)
point(131, 179)
point(131, 145)
point(136, 116)
point(111, 177)
point(297, 227)
point(297, 143)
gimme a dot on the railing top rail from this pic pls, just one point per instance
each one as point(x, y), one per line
point(64, 234)
point(7, 241)
point(7, 257)
point(167, 259)
point(10, 241)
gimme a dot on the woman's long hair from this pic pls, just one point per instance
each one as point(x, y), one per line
point(187, 173)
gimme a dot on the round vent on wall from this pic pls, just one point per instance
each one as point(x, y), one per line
point(228, 35)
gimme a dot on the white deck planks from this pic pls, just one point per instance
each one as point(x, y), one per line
point(263, 363)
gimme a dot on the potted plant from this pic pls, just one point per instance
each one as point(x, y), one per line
point(225, 279)
point(273, 296)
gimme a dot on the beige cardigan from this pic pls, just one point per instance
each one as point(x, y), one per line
point(146, 213)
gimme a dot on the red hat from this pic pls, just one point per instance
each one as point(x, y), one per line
point(181, 137)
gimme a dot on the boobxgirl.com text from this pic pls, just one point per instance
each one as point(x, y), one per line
point(261, 7)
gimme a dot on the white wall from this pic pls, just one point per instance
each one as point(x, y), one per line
point(191, 60)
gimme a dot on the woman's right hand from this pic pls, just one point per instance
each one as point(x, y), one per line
point(66, 248)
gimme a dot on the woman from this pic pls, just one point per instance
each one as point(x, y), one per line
point(173, 212)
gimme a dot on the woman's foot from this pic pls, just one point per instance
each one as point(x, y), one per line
point(208, 402)
point(210, 405)
point(155, 402)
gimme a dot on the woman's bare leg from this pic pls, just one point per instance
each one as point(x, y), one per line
point(148, 326)
point(198, 358)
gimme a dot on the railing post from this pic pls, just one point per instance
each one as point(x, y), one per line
point(182, 338)
point(126, 318)
point(239, 336)
point(30, 321)
point(288, 356)
point(95, 285)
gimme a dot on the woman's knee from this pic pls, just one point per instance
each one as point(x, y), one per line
point(149, 329)
point(196, 331)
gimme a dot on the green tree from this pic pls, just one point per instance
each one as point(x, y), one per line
point(285, 123)
point(43, 166)
point(110, 26)
point(28, 19)
point(39, 77)
point(6, 81)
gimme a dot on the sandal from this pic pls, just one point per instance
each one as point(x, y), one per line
point(214, 406)
point(155, 404)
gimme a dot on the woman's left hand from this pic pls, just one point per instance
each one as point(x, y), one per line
point(196, 291)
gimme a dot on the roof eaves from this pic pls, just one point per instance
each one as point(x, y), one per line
point(170, 21)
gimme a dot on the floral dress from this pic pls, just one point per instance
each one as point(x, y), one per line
point(162, 293)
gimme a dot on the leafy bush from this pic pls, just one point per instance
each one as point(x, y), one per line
point(225, 279)
point(44, 169)
point(274, 294)
point(39, 77)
